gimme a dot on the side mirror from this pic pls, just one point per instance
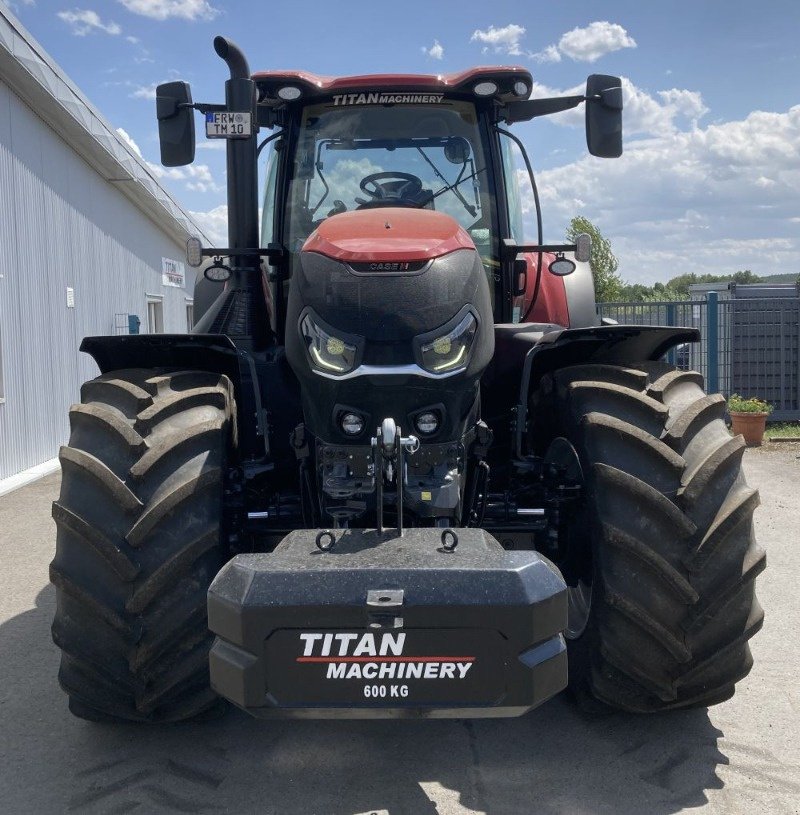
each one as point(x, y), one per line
point(583, 247)
point(175, 123)
point(604, 115)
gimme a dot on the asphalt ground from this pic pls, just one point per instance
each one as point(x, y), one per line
point(739, 757)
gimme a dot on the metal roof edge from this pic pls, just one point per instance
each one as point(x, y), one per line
point(33, 75)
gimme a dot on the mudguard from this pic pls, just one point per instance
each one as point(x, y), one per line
point(199, 352)
point(609, 344)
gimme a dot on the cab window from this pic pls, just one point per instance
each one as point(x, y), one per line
point(512, 167)
point(270, 187)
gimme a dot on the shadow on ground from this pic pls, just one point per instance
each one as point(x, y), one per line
point(555, 760)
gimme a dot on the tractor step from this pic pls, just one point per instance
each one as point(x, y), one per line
point(433, 623)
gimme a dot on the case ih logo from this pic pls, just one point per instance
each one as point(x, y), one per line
point(371, 656)
point(389, 267)
point(388, 98)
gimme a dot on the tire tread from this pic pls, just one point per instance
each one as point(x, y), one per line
point(139, 523)
point(671, 626)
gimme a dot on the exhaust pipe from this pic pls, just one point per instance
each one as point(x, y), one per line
point(234, 58)
point(241, 310)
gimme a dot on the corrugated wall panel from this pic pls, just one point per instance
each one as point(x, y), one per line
point(62, 225)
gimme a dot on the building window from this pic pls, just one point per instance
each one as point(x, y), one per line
point(155, 315)
point(189, 316)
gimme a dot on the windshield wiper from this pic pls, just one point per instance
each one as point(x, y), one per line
point(454, 186)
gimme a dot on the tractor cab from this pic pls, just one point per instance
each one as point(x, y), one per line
point(377, 142)
point(408, 141)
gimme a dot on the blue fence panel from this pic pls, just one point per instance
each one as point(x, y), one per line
point(749, 346)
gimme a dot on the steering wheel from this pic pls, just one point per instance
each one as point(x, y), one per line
point(390, 185)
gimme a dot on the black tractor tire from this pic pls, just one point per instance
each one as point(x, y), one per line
point(140, 538)
point(664, 536)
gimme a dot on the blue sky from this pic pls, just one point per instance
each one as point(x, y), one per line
point(710, 178)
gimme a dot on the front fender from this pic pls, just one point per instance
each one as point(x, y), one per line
point(200, 352)
point(610, 344)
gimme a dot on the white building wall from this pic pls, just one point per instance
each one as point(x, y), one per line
point(63, 225)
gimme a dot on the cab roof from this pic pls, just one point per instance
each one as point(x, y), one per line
point(505, 78)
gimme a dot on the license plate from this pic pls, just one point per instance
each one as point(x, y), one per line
point(446, 667)
point(228, 125)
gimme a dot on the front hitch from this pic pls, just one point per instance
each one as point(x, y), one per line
point(389, 448)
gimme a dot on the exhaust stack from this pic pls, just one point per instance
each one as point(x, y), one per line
point(241, 310)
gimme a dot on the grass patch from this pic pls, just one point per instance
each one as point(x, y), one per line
point(783, 430)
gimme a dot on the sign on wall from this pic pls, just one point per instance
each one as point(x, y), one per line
point(173, 273)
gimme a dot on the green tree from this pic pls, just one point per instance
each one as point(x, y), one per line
point(677, 288)
point(607, 283)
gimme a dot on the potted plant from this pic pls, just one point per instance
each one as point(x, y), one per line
point(749, 417)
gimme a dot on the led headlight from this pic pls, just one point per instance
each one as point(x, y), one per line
point(450, 351)
point(289, 93)
point(487, 88)
point(351, 423)
point(328, 353)
point(427, 423)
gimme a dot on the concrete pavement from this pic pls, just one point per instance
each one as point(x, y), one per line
point(739, 757)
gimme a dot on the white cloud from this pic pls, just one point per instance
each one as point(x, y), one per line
point(502, 40)
point(166, 9)
point(212, 144)
point(132, 40)
point(713, 199)
point(123, 134)
point(173, 173)
point(549, 54)
point(214, 224)
point(202, 180)
point(594, 41)
point(85, 21)
point(643, 113)
point(684, 103)
point(144, 91)
point(198, 177)
point(586, 44)
point(436, 51)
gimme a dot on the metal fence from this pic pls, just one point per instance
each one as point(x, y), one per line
point(749, 346)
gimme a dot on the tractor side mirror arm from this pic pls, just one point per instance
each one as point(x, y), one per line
point(582, 250)
point(604, 104)
point(524, 111)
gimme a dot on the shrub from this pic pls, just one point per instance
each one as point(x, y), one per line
point(747, 404)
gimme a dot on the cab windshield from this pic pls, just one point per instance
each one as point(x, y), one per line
point(400, 155)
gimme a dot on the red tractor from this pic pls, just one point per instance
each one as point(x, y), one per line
point(400, 467)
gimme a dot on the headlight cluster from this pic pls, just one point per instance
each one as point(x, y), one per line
point(329, 353)
point(450, 351)
point(441, 352)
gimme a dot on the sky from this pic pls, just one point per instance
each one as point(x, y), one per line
point(710, 176)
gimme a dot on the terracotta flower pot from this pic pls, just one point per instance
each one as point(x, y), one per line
point(751, 426)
